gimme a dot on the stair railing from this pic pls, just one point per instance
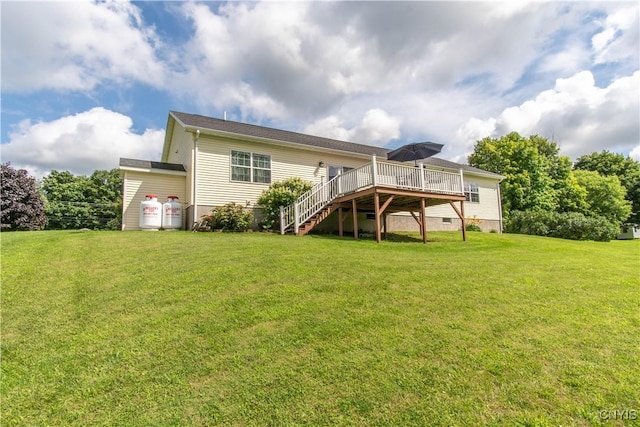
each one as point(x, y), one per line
point(375, 173)
point(321, 195)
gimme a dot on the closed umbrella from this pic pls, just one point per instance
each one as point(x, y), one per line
point(414, 151)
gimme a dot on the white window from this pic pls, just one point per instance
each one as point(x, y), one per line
point(447, 221)
point(250, 167)
point(471, 192)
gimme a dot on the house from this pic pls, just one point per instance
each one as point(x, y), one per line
point(209, 162)
point(629, 232)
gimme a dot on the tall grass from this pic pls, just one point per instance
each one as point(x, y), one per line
point(111, 328)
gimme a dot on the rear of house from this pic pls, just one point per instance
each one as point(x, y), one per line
point(208, 162)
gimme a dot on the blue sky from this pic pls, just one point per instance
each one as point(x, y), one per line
point(86, 83)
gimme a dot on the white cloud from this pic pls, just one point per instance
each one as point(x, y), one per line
point(81, 143)
point(618, 39)
point(381, 73)
point(577, 114)
point(377, 127)
point(329, 127)
point(76, 46)
point(305, 58)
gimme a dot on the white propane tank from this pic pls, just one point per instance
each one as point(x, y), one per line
point(150, 213)
point(172, 214)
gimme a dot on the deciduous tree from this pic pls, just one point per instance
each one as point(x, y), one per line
point(605, 196)
point(528, 184)
point(83, 202)
point(21, 204)
point(625, 168)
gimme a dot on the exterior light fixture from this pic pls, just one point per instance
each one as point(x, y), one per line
point(320, 164)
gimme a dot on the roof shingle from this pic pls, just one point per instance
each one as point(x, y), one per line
point(148, 164)
point(228, 126)
point(196, 121)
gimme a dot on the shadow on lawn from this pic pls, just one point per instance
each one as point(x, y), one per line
point(391, 237)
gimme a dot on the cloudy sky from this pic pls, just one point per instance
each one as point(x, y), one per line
point(86, 83)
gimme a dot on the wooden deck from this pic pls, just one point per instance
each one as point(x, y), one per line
point(380, 187)
point(384, 200)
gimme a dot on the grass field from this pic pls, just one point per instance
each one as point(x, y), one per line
point(159, 329)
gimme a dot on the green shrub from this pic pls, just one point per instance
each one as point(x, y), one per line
point(473, 227)
point(230, 217)
point(472, 224)
point(282, 193)
point(566, 225)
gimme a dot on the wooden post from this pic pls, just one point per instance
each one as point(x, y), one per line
point(376, 206)
point(296, 215)
point(340, 219)
point(384, 226)
point(418, 220)
point(354, 205)
point(423, 219)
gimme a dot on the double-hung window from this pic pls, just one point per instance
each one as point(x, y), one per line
point(250, 167)
point(471, 192)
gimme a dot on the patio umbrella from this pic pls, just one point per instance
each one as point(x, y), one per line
point(414, 151)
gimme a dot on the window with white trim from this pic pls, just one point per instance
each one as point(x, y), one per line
point(471, 192)
point(250, 167)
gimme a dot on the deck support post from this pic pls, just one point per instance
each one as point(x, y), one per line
point(376, 206)
point(418, 220)
point(423, 219)
point(354, 206)
point(464, 222)
point(384, 226)
point(460, 213)
point(340, 225)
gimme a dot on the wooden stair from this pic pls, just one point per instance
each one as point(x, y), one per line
point(316, 219)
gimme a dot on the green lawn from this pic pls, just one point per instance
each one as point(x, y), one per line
point(155, 329)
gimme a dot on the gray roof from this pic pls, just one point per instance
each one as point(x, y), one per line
point(196, 121)
point(148, 164)
point(203, 122)
point(446, 164)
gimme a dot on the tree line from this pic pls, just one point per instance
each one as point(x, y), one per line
point(603, 187)
point(61, 200)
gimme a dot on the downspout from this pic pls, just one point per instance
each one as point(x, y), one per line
point(499, 206)
point(196, 138)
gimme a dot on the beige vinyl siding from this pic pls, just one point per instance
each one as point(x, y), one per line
point(139, 184)
point(486, 209)
point(180, 152)
point(215, 187)
point(181, 146)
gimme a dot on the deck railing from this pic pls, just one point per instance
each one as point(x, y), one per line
point(376, 173)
